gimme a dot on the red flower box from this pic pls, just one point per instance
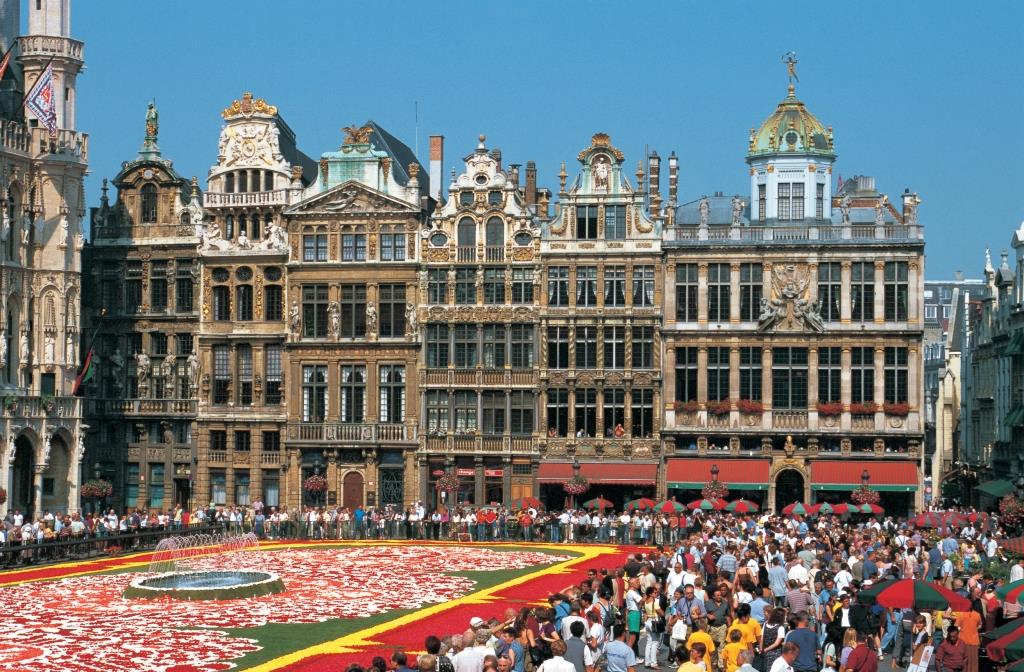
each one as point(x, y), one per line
point(830, 409)
point(869, 408)
point(901, 409)
point(686, 406)
point(719, 407)
point(750, 406)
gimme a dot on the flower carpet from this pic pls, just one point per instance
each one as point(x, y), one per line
point(343, 602)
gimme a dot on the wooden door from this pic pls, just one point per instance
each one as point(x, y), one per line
point(353, 490)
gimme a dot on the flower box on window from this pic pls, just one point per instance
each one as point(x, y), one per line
point(686, 406)
point(869, 408)
point(750, 406)
point(830, 410)
point(901, 409)
point(719, 407)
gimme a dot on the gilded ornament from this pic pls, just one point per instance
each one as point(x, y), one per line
point(357, 135)
point(522, 254)
point(604, 141)
point(248, 106)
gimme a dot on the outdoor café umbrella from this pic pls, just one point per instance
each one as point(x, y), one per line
point(641, 504)
point(526, 503)
point(1008, 647)
point(597, 503)
point(825, 508)
point(797, 509)
point(707, 504)
point(913, 594)
point(843, 508)
point(741, 506)
point(873, 509)
point(1005, 629)
point(1015, 545)
point(669, 506)
point(1009, 593)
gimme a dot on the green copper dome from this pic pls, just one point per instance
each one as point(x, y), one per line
point(791, 129)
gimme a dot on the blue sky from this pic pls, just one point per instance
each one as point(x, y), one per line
point(922, 95)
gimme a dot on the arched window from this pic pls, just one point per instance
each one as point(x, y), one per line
point(13, 200)
point(243, 229)
point(229, 227)
point(495, 232)
point(254, 234)
point(268, 180)
point(149, 204)
point(229, 183)
point(243, 181)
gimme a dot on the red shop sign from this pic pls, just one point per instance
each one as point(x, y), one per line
point(464, 472)
point(437, 472)
point(494, 472)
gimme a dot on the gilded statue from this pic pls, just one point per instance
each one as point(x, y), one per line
point(356, 135)
point(152, 121)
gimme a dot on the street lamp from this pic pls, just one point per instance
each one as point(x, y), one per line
point(864, 478)
point(714, 473)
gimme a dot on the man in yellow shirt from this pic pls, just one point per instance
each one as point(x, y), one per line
point(748, 627)
point(699, 637)
point(731, 651)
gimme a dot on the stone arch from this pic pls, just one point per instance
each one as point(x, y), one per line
point(56, 484)
point(22, 496)
point(788, 464)
point(352, 483)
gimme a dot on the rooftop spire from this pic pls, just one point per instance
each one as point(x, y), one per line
point(150, 150)
point(789, 58)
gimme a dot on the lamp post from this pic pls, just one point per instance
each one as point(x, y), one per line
point(714, 473)
point(865, 478)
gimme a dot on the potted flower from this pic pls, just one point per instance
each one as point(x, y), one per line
point(865, 495)
point(97, 488)
point(49, 403)
point(315, 484)
point(901, 409)
point(575, 486)
point(1011, 510)
point(867, 408)
point(830, 409)
point(10, 404)
point(719, 407)
point(714, 490)
point(690, 406)
point(750, 406)
point(3, 496)
point(447, 483)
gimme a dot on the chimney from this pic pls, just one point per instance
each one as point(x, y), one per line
point(531, 183)
point(513, 174)
point(673, 178)
point(655, 184)
point(543, 198)
point(436, 164)
point(496, 155)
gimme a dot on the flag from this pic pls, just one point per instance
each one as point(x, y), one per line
point(3, 63)
point(85, 374)
point(40, 100)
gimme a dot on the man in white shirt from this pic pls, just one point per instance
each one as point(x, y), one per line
point(843, 578)
point(675, 578)
point(784, 663)
point(556, 663)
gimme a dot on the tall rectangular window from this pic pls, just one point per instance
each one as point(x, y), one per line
point(271, 442)
point(243, 360)
point(314, 247)
point(642, 411)
point(158, 293)
point(522, 346)
point(243, 303)
point(522, 285)
point(437, 286)
point(643, 347)
point(314, 393)
point(558, 286)
point(819, 201)
point(614, 222)
point(391, 300)
point(718, 374)
point(272, 370)
point(314, 311)
point(830, 291)
point(686, 374)
point(830, 370)
point(465, 286)
point(521, 421)
point(218, 440)
point(586, 222)
point(466, 342)
point(222, 303)
point(586, 286)
point(353, 393)
point(862, 291)
point(751, 288)
point(719, 284)
point(586, 412)
point(353, 247)
point(156, 486)
point(896, 291)
point(273, 303)
point(437, 345)
point(643, 286)
point(862, 374)
point(218, 486)
point(392, 393)
point(586, 347)
point(493, 403)
point(614, 286)
point(243, 441)
point(614, 410)
point(791, 201)
point(183, 296)
point(762, 203)
point(494, 346)
point(614, 347)
point(437, 412)
point(465, 411)
point(789, 378)
point(494, 285)
point(242, 486)
point(557, 411)
point(392, 247)
point(686, 292)
point(353, 311)
point(221, 374)
point(896, 375)
point(750, 373)
point(558, 347)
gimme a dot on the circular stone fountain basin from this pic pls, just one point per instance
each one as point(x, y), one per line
point(211, 585)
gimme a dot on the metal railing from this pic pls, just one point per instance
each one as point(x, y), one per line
point(304, 431)
point(275, 197)
point(790, 234)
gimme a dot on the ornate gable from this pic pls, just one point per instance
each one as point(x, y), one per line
point(349, 198)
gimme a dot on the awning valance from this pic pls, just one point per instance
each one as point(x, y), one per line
point(609, 473)
point(692, 473)
point(996, 488)
point(845, 475)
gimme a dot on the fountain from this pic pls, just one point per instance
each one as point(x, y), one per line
point(175, 574)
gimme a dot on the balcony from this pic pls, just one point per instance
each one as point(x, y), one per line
point(475, 443)
point(467, 253)
point(66, 144)
point(271, 457)
point(350, 433)
point(142, 407)
point(791, 421)
point(41, 407)
point(49, 46)
point(221, 199)
point(480, 377)
point(494, 253)
point(830, 233)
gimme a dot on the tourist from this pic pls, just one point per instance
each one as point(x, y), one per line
point(784, 663)
point(619, 656)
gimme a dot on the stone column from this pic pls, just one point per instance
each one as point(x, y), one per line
point(845, 302)
point(734, 373)
point(37, 491)
point(913, 303)
point(846, 385)
point(506, 479)
point(478, 481)
point(913, 380)
point(879, 292)
point(702, 375)
point(879, 375)
point(669, 375)
point(812, 376)
point(734, 292)
point(766, 376)
point(702, 293)
point(669, 302)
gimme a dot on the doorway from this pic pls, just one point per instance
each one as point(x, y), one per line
point(352, 495)
point(182, 493)
point(789, 488)
point(22, 492)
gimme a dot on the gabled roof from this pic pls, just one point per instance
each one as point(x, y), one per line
point(353, 196)
point(398, 151)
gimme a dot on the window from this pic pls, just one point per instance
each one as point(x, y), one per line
point(586, 285)
point(392, 393)
point(791, 201)
point(218, 440)
point(718, 374)
point(896, 375)
point(558, 286)
point(862, 291)
point(392, 310)
point(896, 291)
point(862, 374)
point(750, 373)
point(271, 488)
point(466, 234)
point(272, 369)
point(586, 412)
point(494, 239)
point(149, 200)
point(218, 486)
point(273, 303)
point(156, 486)
point(243, 360)
point(586, 222)
point(314, 311)
point(614, 222)
point(643, 347)
point(830, 371)
point(830, 288)
point(931, 312)
point(353, 393)
point(614, 347)
point(392, 247)
point(642, 411)
point(686, 374)
point(466, 338)
point(686, 292)
point(158, 294)
point(465, 286)
point(521, 420)
point(437, 345)
point(437, 286)
point(522, 346)
point(522, 285)
point(614, 286)
point(586, 347)
point(353, 247)
point(558, 347)
point(643, 285)
point(494, 346)
point(751, 287)
point(222, 303)
point(314, 247)
point(762, 203)
point(465, 411)
point(132, 296)
point(494, 285)
point(243, 303)
point(493, 404)
point(789, 378)
point(718, 292)
point(819, 201)
point(243, 441)
point(314, 393)
point(184, 344)
point(158, 343)
point(557, 411)
point(221, 374)
point(353, 311)
point(242, 487)
point(614, 411)
point(437, 412)
point(131, 485)
point(183, 295)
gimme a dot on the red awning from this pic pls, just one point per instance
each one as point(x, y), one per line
point(901, 476)
point(695, 472)
point(622, 473)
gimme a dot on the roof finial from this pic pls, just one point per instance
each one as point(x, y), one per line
point(988, 261)
point(150, 149)
point(789, 58)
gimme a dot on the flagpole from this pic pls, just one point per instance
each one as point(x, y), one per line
point(89, 350)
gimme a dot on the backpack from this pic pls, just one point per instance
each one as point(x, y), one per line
point(610, 616)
